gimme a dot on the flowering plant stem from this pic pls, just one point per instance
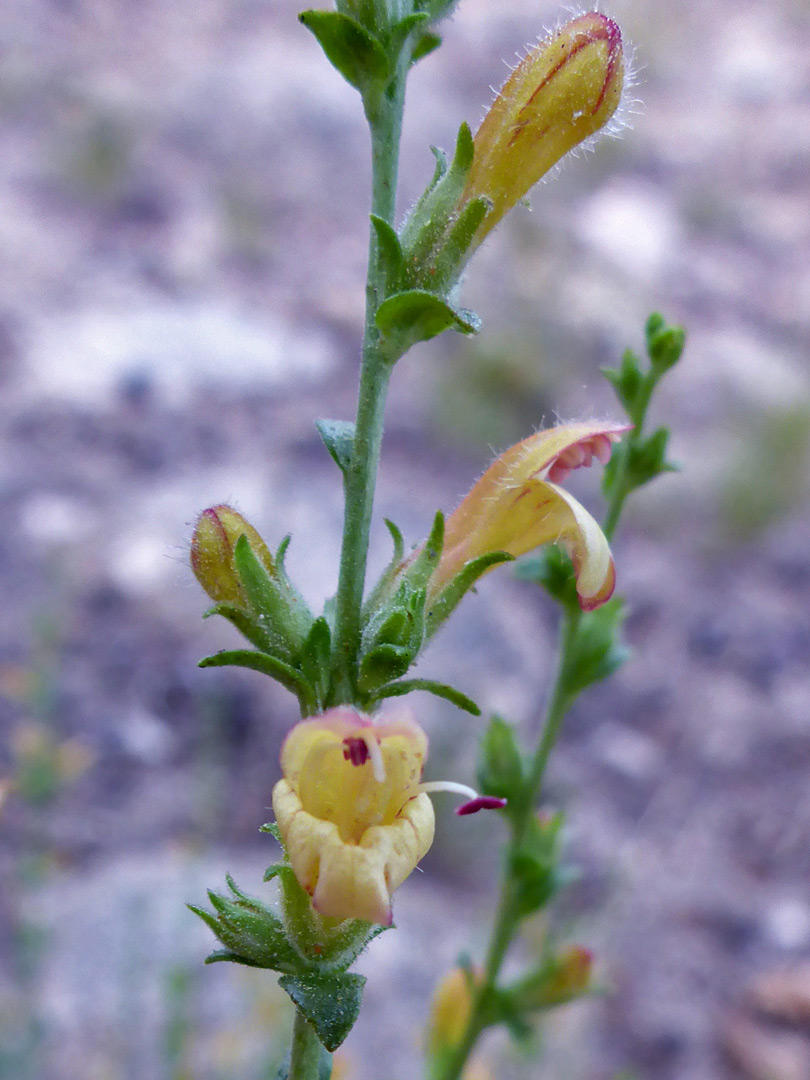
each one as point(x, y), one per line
point(506, 922)
point(385, 125)
point(306, 1053)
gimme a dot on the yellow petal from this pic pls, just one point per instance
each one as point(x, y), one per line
point(352, 880)
point(514, 508)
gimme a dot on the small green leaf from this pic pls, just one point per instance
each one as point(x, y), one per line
point(465, 150)
point(338, 438)
point(246, 625)
point(500, 768)
point(274, 601)
point(359, 58)
point(442, 690)
point(390, 252)
point(454, 251)
point(598, 650)
point(627, 381)
point(220, 955)
point(402, 30)
point(383, 588)
point(383, 663)
point(330, 1001)
point(424, 45)
point(665, 343)
point(316, 656)
point(461, 584)
point(535, 866)
point(552, 569)
point(272, 828)
point(421, 569)
point(417, 315)
point(647, 458)
point(250, 930)
point(289, 678)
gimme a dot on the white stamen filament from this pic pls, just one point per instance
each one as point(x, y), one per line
point(449, 785)
point(375, 756)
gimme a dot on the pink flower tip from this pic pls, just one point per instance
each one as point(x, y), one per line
point(482, 802)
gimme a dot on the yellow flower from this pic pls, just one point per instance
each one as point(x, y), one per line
point(564, 90)
point(353, 812)
point(517, 505)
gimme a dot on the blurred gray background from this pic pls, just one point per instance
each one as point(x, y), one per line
point(183, 208)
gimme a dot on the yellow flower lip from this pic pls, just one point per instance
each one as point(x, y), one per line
point(353, 811)
point(354, 820)
point(517, 505)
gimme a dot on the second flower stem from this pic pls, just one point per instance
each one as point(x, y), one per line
point(506, 922)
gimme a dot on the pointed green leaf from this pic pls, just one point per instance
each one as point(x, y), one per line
point(289, 678)
point(402, 30)
point(598, 649)
point(442, 690)
point(338, 438)
point(359, 58)
point(461, 584)
point(383, 663)
point(665, 343)
point(331, 1002)
point(279, 607)
point(244, 623)
point(454, 251)
point(417, 315)
point(500, 767)
point(424, 45)
point(423, 566)
point(272, 828)
point(390, 252)
point(316, 656)
point(345, 943)
point(220, 955)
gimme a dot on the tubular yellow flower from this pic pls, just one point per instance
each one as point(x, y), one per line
point(352, 810)
point(564, 90)
point(517, 505)
point(215, 534)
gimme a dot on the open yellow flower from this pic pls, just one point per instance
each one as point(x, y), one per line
point(353, 811)
point(517, 505)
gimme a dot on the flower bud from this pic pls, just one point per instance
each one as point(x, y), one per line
point(563, 978)
point(450, 1010)
point(212, 561)
point(564, 90)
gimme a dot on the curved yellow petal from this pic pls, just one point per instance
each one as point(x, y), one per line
point(514, 508)
point(352, 880)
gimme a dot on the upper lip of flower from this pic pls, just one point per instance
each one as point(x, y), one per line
point(517, 505)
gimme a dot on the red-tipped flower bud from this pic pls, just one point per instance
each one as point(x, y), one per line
point(212, 546)
point(564, 90)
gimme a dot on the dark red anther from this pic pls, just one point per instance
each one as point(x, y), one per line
point(483, 802)
point(355, 751)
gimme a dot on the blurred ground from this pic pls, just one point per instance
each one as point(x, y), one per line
point(182, 237)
